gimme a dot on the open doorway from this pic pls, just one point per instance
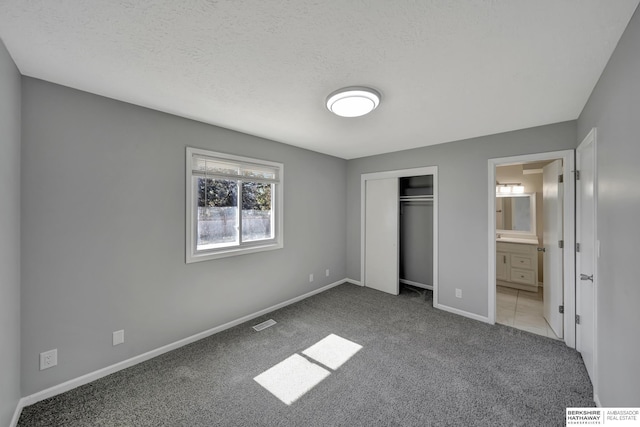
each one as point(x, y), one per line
point(529, 265)
point(532, 270)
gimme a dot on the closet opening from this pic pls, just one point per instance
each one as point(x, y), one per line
point(416, 231)
point(399, 218)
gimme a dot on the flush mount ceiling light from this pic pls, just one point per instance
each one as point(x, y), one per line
point(353, 101)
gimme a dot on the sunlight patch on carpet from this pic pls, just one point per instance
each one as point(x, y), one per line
point(291, 378)
point(332, 351)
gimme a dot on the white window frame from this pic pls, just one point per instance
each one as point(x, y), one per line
point(192, 254)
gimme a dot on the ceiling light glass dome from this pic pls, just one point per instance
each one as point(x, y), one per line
point(353, 101)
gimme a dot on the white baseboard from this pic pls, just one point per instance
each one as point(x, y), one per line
point(463, 313)
point(92, 376)
point(17, 412)
point(416, 284)
point(442, 307)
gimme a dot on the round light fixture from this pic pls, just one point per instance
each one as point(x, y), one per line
point(353, 101)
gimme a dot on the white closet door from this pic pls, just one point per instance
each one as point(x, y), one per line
point(381, 235)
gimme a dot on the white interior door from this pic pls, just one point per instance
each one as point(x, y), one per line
point(552, 267)
point(381, 235)
point(586, 257)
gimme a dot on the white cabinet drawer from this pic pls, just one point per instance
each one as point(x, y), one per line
point(520, 261)
point(526, 277)
point(516, 248)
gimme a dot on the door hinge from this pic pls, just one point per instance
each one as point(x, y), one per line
point(577, 319)
point(577, 247)
point(560, 179)
point(561, 309)
point(561, 244)
point(577, 175)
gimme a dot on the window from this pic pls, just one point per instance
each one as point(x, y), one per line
point(234, 205)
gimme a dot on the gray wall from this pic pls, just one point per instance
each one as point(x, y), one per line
point(103, 186)
point(614, 109)
point(416, 242)
point(9, 236)
point(463, 203)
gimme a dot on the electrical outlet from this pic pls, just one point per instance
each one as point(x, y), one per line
point(48, 359)
point(311, 277)
point(326, 272)
point(118, 337)
point(458, 293)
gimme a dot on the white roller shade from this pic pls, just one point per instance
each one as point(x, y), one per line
point(229, 169)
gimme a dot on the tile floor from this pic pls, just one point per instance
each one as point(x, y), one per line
point(522, 310)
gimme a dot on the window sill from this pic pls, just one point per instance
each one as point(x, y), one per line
point(225, 253)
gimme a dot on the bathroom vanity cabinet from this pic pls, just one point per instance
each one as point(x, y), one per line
point(517, 265)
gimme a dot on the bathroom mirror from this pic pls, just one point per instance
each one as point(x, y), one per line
point(516, 213)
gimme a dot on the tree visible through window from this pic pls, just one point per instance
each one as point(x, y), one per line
point(234, 205)
point(256, 211)
point(217, 212)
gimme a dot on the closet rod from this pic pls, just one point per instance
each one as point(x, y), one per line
point(416, 199)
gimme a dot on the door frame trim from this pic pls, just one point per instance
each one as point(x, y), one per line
point(569, 290)
point(401, 173)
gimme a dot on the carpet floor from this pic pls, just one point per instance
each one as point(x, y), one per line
point(418, 366)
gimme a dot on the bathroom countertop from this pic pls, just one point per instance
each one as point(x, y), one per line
point(522, 240)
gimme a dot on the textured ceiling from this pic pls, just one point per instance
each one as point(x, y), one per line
point(447, 69)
